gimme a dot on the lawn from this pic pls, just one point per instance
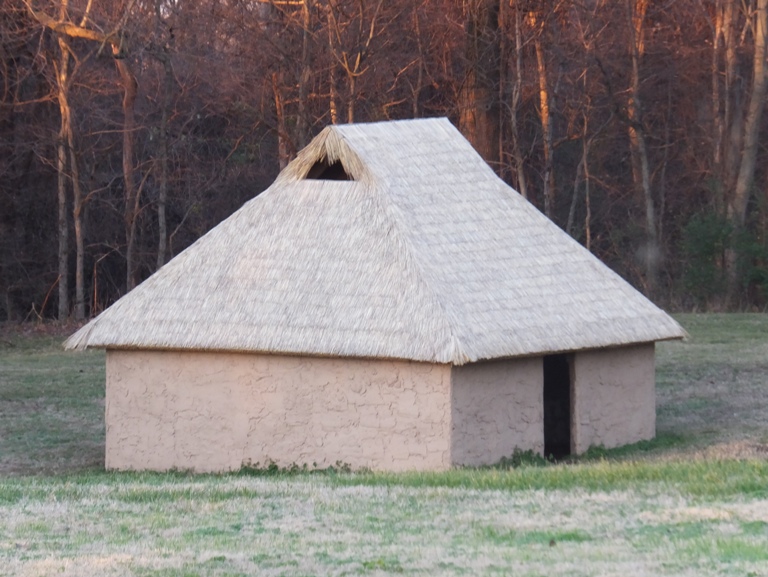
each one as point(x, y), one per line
point(51, 404)
point(694, 502)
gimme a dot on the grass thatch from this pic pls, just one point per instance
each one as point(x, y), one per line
point(424, 255)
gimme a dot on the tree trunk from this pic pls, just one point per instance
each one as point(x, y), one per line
point(64, 27)
point(333, 108)
point(746, 173)
point(161, 53)
point(282, 145)
point(62, 80)
point(576, 185)
point(480, 107)
point(162, 196)
point(416, 90)
point(546, 129)
point(587, 200)
point(517, 88)
point(732, 127)
point(63, 228)
point(352, 61)
point(302, 128)
point(723, 40)
point(77, 217)
point(641, 171)
point(737, 208)
point(77, 193)
point(131, 214)
point(352, 83)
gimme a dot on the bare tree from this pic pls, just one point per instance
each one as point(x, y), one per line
point(538, 23)
point(302, 125)
point(602, 98)
point(479, 107)
point(350, 43)
point(737, 205)
point(641, 170)
point(67, 171)
point(62, 82)
point(116, 39)
point(515, 99)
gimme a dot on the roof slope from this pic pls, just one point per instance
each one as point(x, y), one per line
point(424, 255)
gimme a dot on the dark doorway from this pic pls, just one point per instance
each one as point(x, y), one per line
point(557, 406)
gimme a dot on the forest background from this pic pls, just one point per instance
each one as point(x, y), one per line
point(129, 128)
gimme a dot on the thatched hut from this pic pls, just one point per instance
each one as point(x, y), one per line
point(387, 303)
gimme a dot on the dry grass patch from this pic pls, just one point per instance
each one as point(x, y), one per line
point(333, 525)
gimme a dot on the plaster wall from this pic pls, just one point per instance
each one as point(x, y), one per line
point(497, 406)
point(217, 411)
point(613, 397)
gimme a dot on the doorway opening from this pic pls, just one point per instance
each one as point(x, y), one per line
point(557, 406)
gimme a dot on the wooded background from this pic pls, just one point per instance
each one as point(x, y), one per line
point(129, 128)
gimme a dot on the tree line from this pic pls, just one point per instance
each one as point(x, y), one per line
point(128, 128)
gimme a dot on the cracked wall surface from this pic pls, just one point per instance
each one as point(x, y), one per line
point(614, 397)
point(497, 406)
point(218, 411)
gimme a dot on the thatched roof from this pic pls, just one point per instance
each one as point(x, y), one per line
point(425, 255)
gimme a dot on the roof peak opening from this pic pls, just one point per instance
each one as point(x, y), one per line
point(323, 170)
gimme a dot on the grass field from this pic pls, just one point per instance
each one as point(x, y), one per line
point(694, 502)
point(51, 405)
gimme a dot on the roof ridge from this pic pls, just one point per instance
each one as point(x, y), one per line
point(456, 355)
point(389, 209)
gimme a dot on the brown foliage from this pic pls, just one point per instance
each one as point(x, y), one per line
point(620, 142)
